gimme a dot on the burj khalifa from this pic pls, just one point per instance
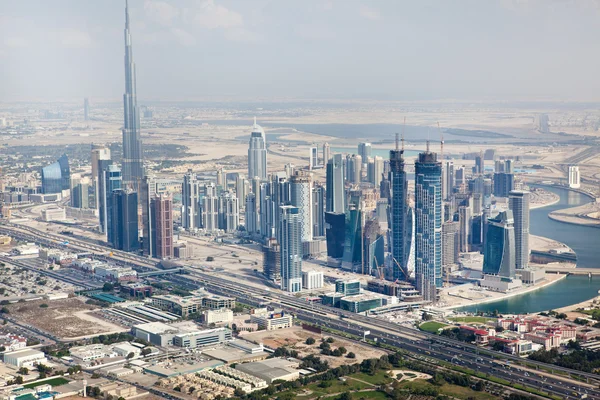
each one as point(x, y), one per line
point(133, 167)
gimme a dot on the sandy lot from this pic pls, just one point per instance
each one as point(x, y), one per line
point(65, 319)
point(294, 338)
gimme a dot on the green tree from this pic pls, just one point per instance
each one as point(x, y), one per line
point(23, 371)
point(310, 340)
point(351, 355)
point(108, 287)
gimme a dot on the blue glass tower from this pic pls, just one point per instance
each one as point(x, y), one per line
point(499, 257)
point(428, 224)
point(400, 231)
point(56, 177)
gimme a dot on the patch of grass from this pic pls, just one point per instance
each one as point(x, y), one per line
point(431, 326)
point(380, 377)
point(53, 382)
point(461, 392)
point(373, 395)
point(482, 320)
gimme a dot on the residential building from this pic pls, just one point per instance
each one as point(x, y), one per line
point(290, 240)
point(312, 279)
point(518, 203)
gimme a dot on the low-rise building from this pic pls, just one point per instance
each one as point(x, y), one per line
point(272, 369)
point(271, 320)
point(208, 337)
point(220, 316)
point(312, 279)
point(25, 358)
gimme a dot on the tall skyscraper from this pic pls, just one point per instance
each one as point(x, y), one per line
point(229, 212)
point(86, 109)
point(479, 164)
point(133, 167)
point(252, 225)
point(79, 193)
point(301, 198)
point(400, 234)
point(241, 188)
point(375, 170)
point(504, 182)
point(335, 200)
point(290, 240)
point(518, 203)
point(111, 180)
point(428, 224)
point(257, 153)
point(272, 260)
point(146, 195)
point(450, 245)
point(191, 216)
point(354, 167)
point(162, 218)
point(124, 220)
point(365, 150)
point(465, 218)
point(574, 177)
point(100, 160)
point(499, 251)
point(313, 158)
point(318, 210)
point(210, 212)
point(326, 153)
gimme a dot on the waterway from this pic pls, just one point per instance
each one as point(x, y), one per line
point(585, 241)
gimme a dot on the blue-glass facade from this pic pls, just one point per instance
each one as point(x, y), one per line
point(499, 256)
point(56, 177)
point(124, 220)
point(428, 224)
point(400, 232)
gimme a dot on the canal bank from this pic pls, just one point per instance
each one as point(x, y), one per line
point(573, 289)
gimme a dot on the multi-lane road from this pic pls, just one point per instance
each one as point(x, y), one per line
point(428, 346)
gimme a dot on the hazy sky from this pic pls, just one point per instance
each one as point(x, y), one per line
point(388, 49)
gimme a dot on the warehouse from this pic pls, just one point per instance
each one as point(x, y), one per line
point(272, 369)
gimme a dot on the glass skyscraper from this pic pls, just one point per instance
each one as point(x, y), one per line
point(518, 202)
point(257, 153)
point(335, 196)
point(56, 177)
point(400, 231)
point(428, 224)
point(290, 240)
point(499, 251)
point(124, 220)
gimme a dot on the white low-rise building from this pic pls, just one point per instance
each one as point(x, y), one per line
point(271, 320)
point(219, 316)
point(312, 279)
point(25, 358)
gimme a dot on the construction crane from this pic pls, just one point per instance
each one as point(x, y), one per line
point(380, 273)
point(403, 269)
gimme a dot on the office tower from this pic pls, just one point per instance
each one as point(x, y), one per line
point(162, 223)
point(373, 247)
point(428, 224)
point(86, 109)
point(301, 198)
point(56, 177)
point(465, 219)
point(124, 220)
point(241, 188)
point(290, 240)
point(229, 212)
point(448, 186)
point(335, 234)
point(326, 153)
point(266, 208)
point(272, 260)
point(354, 168)
point(279, 195)
point(518, 203)
point(222, 178)
point(364, 151)
point(479, 164)
point(133, 167)
point(400, 232)
point(375, 170)
point(146, 195)
point(574, 177)
point(499, 254)
point(318, 210)
point(352, 258)
point(100, 160)
point(504, 182)
point(335, 185)
point(257, 153)
point(191, 215)
point(112, 180)
point(313, 158)
point(450, 245)
point(252, 225)
point(509, 166)
point(210, 213)
point(79, 194)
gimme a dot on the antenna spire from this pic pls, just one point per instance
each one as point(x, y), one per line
point(403, 130)
point(397, 147)
point(127, 14)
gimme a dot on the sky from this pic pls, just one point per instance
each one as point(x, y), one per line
point(62, 50)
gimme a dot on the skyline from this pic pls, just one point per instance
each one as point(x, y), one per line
point(230, 49)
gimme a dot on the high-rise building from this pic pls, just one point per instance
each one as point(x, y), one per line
point(86, 109)
point(272, 260)
point(499, 249)
point(112, 180)
point(290, 240)
point(518, 203)
point(133, 166)
point(448, 184)
point(146, 195)
point(335, 228)
point(313, 158)
point(318, 210)
point(124, 220)
point(373, 247)
point(400, 232)
point(222, 178)
point(509, 166)
point(210, 210)
point(252, 225)
point(479, 164)
point(162, 218)
point(335, 201)
point(354, 168)
point(574, 177)
point(326, 153)
point(229, 212)
point(100, 160)
point(465, 218)
point(450, 244)
point(241, 188)
point(257, 153)
point(79, 194)
point(191, 216)
point(56, 177)
point(301, 198)
point(428, 224)
point(352, 259)
point(365, 150)
point(504, 182)
point(375, 170)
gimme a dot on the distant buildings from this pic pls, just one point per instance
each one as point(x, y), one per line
point(257, 153)
point(574, 177)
